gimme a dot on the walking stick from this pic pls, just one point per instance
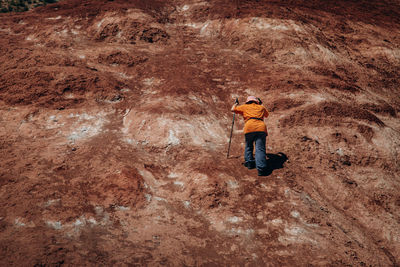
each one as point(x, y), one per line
point(230, 138)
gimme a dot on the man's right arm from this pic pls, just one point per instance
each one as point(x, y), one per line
point(235, 105)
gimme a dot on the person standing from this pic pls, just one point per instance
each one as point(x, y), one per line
point(255, 132)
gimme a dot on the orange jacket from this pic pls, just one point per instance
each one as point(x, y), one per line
point(253, 110)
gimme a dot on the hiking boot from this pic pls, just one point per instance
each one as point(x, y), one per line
point(264, 172)
point(250, 165)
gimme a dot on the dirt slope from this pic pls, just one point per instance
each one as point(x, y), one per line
point(114, 125)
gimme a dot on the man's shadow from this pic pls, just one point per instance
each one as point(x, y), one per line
point(275, 161)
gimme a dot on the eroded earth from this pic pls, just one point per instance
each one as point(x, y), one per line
point(115, 121)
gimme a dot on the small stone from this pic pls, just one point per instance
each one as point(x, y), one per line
point(346, 162)
point(116, 98)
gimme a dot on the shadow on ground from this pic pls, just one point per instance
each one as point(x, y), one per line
point(275, 161)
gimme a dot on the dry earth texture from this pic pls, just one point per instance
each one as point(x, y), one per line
point(115, 121)
point(21, 5)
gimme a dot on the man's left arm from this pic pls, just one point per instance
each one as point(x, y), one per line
point(266, 113)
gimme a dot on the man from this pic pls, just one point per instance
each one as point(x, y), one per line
point(255, 131)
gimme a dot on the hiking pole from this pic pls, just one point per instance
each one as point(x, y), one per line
point(230, 138)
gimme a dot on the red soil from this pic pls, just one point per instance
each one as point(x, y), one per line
point(114, 125)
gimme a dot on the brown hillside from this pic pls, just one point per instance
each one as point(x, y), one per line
point(115, 120)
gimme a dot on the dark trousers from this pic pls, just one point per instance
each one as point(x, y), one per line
point(257, 138)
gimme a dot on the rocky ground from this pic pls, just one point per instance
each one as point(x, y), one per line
point(115, 120)
point(21, 5)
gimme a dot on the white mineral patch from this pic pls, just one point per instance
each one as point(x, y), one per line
point(287, 192)
point(74, 229)
point(240, 231)
point(178, 183)
point(81, 116)
point(106, 219)
point(149, 179)
point(266, 187)
point(151, 81)
point(53, 122)
point(160, 199)
point(295, 230)
point(186, 204)
point(130, 141)
point(296, 234)
point(19, 222)
point(99, 210)
point(232, 184)
point(325, 52)
point(216, 224)
point(169, 130)
point(148, 197)
point(318, 98)
point(51, 202)
point(69, 96)
point(203, 29)
point(125, 76)
point(215, 98)
point(99, 24)
point(83, 132)
point(314, 225)
point(86, 126)
point(8, 30)
point(339, 151)
point(200, 177)
point(264, 24)
point(295, 214)
point(234, 219)
point(92, 221)
point(186, 7)
point(172, 139)
point(79, 222)
point(122, 208)
point(54, 224)
point(250, 91)
point(276, 222)
point(54, 18)
point(236, 231)
point(194, 25)
point(173, 175)
point(195, 98)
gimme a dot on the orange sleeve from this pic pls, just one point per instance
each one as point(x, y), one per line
point(239, 109)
